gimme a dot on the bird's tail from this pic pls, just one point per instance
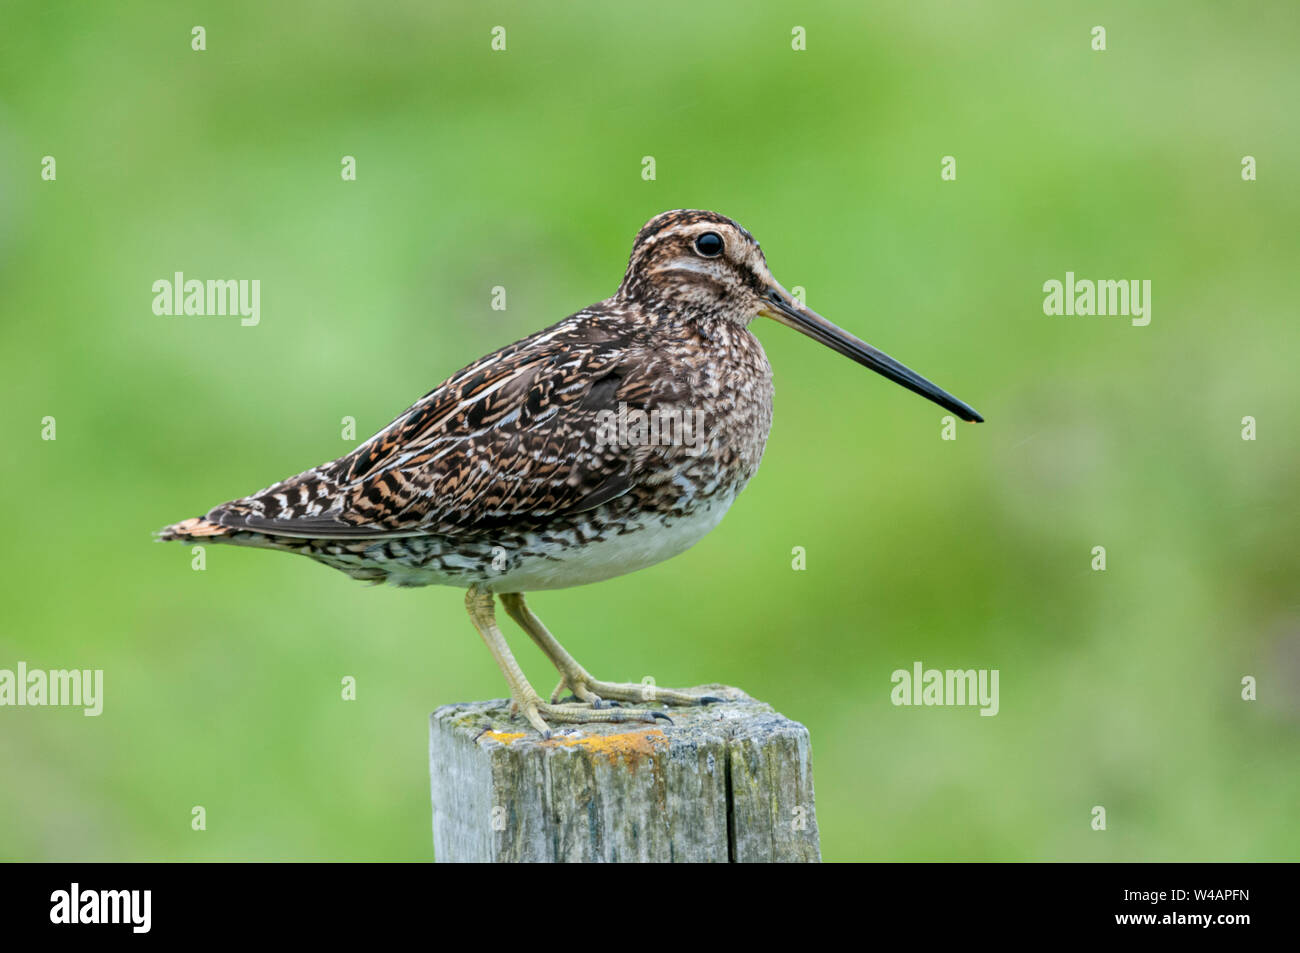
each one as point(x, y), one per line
point(196, 528)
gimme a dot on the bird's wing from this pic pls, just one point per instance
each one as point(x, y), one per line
point(514, 436)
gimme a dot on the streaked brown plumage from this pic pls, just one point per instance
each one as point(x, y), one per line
point(504, 478)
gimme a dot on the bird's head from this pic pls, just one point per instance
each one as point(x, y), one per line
point(699, 264)
point(702, 265)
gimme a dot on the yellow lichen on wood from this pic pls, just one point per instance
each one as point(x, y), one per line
point(505, 737)
point(626, 746)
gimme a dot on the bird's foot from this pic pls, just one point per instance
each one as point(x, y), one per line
point(600, 694)
point(539, 713)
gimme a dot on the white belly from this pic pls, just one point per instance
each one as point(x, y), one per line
point(615, 555)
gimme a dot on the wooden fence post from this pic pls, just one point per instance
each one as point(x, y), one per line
point(731, 781)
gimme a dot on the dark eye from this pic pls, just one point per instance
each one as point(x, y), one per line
point(709, 244)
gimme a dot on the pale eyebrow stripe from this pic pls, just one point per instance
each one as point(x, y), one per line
point(691, 229)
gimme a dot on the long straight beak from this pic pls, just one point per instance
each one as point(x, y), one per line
point(783, 308)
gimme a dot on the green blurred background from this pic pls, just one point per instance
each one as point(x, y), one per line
point(523, 169)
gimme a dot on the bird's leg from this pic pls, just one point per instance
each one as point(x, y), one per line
point(481, 612)
point(577, 678)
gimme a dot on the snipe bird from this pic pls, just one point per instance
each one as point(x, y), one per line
point(521, 472)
